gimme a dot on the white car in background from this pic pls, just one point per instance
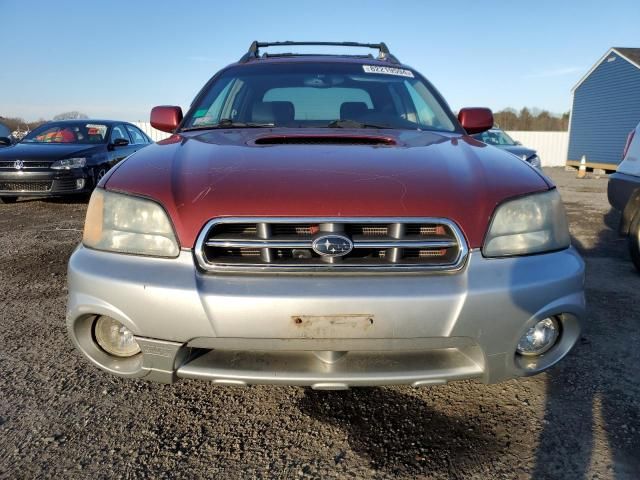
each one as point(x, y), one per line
point(624, 193)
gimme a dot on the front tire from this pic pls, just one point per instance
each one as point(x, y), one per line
point(633, 241)
point(8, 200)
point(98, 174)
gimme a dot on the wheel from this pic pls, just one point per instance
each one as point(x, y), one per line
point(633, 241)
point(97, 175)
point(8, 199)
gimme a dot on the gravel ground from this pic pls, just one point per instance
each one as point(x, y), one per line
point(61, 417)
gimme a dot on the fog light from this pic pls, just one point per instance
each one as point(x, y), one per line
point(115, 338)
point(79, 183)
point(539, 338)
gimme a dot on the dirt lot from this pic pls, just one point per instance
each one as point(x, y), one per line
point(60, 417)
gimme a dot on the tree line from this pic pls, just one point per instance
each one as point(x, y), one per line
point(507, 119)
point(532, 120)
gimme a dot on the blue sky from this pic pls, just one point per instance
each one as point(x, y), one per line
point(118, 58)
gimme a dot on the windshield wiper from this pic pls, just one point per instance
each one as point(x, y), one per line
point(354, 124)
point(228, 123)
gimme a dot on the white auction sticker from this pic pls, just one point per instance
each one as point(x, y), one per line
point(387, 70)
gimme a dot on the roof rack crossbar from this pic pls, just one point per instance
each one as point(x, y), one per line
point(383, 50)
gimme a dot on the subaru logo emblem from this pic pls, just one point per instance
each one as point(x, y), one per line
point(332, 245)
point(18, 164)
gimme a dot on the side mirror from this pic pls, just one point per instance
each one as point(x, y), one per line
point(166, 118)
point(475, 120)
point(120, 142)
point(518, 143)
point(5, 142)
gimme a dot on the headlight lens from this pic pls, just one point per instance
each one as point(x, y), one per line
point(532, 224)
point(115, 338)
point(539, 338)
point(69, 163)
point(534, 160)
point(126, 224)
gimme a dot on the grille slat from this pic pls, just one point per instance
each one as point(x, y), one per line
point(25, 186)
point(287, 244)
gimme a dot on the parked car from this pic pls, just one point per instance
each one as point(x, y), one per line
point(5, 136)
point(66, 157)
point(624, 193)
point(324, 221)
point(499, 138)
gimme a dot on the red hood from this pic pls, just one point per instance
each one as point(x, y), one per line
point(198, 176)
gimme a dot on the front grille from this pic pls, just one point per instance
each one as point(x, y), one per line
point(276, 244)
point(26, 164)
point(25, 186)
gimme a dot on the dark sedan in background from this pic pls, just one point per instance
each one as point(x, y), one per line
point(66, 157)
point(499, 138)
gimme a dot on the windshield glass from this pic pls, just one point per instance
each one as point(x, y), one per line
point(68, 132)
point(4, 131)
point(321, 95)
point(495, 137)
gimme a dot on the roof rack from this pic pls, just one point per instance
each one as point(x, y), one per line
point(383, 50)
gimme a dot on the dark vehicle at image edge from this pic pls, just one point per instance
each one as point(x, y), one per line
point(324, 220)
point(65, 157)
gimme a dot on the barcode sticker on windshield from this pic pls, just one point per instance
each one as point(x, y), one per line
point(387, 70)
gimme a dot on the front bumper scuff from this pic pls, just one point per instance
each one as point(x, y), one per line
point(416, 329)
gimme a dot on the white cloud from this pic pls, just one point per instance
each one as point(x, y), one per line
point(555, 72)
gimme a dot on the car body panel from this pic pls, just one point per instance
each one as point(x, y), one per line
point(624, 185)
point(518, 150)
point(197, 177)
point(404, 313)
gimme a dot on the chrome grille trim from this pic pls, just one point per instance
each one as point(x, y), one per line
point(390, 247)
point(308, 244)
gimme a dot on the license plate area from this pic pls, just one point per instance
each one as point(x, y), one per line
point(333, 326)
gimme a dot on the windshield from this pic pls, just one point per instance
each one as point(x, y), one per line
point(495, 137)
point(68, 132)
point(320, 95)
point(4, 131)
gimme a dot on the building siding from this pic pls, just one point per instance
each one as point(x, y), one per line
point(606, 107)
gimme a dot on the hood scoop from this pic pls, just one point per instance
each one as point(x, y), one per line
point(325, 140)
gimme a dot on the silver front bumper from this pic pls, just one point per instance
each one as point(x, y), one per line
point(414, 329)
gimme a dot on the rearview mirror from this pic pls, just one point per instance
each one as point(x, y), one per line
point(120, 142)
point(5, 141)
point(475, 120)
point(166, 118)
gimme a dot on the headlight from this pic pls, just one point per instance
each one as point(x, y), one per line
point(532, 224)
point(534, 160)
point(126, 224)
point(69, 163)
